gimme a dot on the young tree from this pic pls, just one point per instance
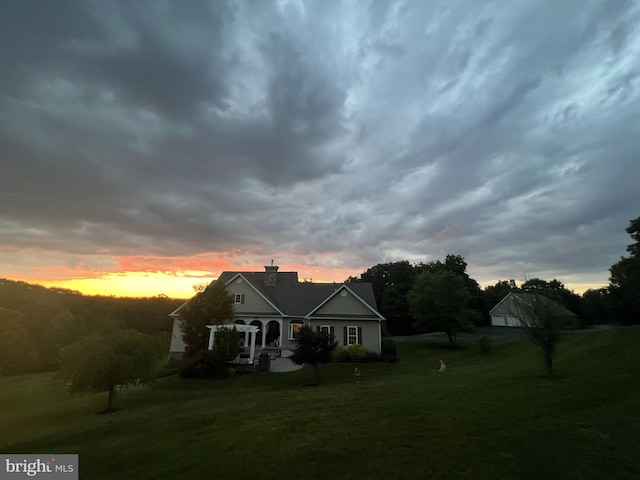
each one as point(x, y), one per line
point(313, 347)
point(542, 322)
point(439, 303)
point(211, 306)
point(103, 362)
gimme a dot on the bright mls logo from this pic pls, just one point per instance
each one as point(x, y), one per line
point(53, 467)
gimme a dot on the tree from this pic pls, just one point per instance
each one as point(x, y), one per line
point(62, 330)
point(17, 355)
point(211, 306)
point(477, 309)
point(494, 293)
point(391, 283)
point(542, 322)
point(597, 306)
point(439, 303)
point(556, 291)
point(101, 363)
point(213, 363)
point(625, 280)
point(312, 348)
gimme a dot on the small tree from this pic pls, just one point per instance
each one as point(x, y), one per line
point(439, 303)
point(313, 347)
point(102, 362)
point(211, 306)
point(541, 321)
point(213, 363)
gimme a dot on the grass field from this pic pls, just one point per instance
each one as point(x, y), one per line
point(488, 417)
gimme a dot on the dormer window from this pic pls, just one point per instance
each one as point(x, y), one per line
point(238, 298)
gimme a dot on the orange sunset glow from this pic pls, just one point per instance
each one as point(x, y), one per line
point(152, 276)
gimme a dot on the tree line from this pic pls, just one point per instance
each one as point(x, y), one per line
point(38, 322)
point(441, 296)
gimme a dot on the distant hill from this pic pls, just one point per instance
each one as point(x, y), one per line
point(47, 319)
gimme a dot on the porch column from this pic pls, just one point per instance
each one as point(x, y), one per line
point(212, 334)
point(246, 338)
point(253, 347)
point(264, 332)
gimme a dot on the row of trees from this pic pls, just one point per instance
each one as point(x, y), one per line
point(441, 296)
point(38, 322)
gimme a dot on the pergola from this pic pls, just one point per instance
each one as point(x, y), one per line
point(240, 328)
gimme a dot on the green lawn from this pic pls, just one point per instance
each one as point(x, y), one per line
point(487, 417)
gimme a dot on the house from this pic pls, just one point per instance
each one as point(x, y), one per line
point(271, 307)
point(505, 313)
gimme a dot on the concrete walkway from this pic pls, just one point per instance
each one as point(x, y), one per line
point(283, 365)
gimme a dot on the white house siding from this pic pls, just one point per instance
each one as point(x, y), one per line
point(504, 321)
point(370, 331)
point(177, 345)
point(343, 305)
point(253, 301)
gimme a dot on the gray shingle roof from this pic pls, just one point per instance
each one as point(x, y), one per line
point(503, 309)
point(296, 298)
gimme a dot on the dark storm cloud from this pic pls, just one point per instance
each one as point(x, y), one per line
point(347, 134)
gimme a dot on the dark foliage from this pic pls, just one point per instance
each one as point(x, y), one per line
point(625, 281)
point(439, 302)
point(52, 318)
point(214, 306)
point(312, 347)
point(101, 363)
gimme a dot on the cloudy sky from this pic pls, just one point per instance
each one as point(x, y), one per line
point(147, 146)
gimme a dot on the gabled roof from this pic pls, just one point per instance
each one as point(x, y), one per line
point(299, 299)
point(345, 287)
point(265, 297)
point(502, 307)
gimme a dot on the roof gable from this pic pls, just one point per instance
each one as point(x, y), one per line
point(506, 307)
point(254, 301)
point(344, 301)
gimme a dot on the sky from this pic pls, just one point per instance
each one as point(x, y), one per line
point(146, 147)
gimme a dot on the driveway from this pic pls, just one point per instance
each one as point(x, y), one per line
point(505, 333)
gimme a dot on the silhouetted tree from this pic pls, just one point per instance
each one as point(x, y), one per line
point(103, 362)
point(625, 280)
point(542, 322)
point(212, 306)
point(439, 303)
point(391, 283)
point(312, 347)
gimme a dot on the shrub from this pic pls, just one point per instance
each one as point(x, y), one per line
point(388, 347)
point(389, 358)
point(204, 364)
point(372, 357)
point(339, 354)
point(485, 345)
point(357, 353)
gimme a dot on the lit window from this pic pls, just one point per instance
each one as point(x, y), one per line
point(294, 330)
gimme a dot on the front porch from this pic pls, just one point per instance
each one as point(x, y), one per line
point(268, 331)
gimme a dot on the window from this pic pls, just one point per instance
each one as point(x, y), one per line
point(294, 330)
point(328, 330)
point(352, 335)
point(238, 298)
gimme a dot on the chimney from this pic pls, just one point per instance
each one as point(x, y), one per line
point(271, 275)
